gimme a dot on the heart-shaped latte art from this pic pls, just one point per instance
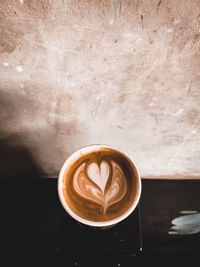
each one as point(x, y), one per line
point(99, 174)
point(92, 186)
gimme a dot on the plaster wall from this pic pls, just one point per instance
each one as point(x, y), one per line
point(124, 73)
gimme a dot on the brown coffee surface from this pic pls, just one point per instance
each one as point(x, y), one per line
point(100, 185)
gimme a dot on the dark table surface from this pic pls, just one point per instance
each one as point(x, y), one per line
point(166, 223)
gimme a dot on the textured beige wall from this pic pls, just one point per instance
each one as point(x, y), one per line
point(124, 73)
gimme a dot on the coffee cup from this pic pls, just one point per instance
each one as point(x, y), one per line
point(99, 185)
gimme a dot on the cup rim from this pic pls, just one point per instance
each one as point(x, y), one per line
point(64, 166)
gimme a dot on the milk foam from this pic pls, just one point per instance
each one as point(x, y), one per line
point(103, 183)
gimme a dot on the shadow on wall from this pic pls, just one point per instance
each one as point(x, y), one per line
point(15, 158)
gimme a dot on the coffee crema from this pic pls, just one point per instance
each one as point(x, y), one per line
point(100, 185)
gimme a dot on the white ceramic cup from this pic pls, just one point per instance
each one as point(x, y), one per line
point(68, 163)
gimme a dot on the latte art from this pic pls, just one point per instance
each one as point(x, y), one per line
point(99, 185)
point(91, 181)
